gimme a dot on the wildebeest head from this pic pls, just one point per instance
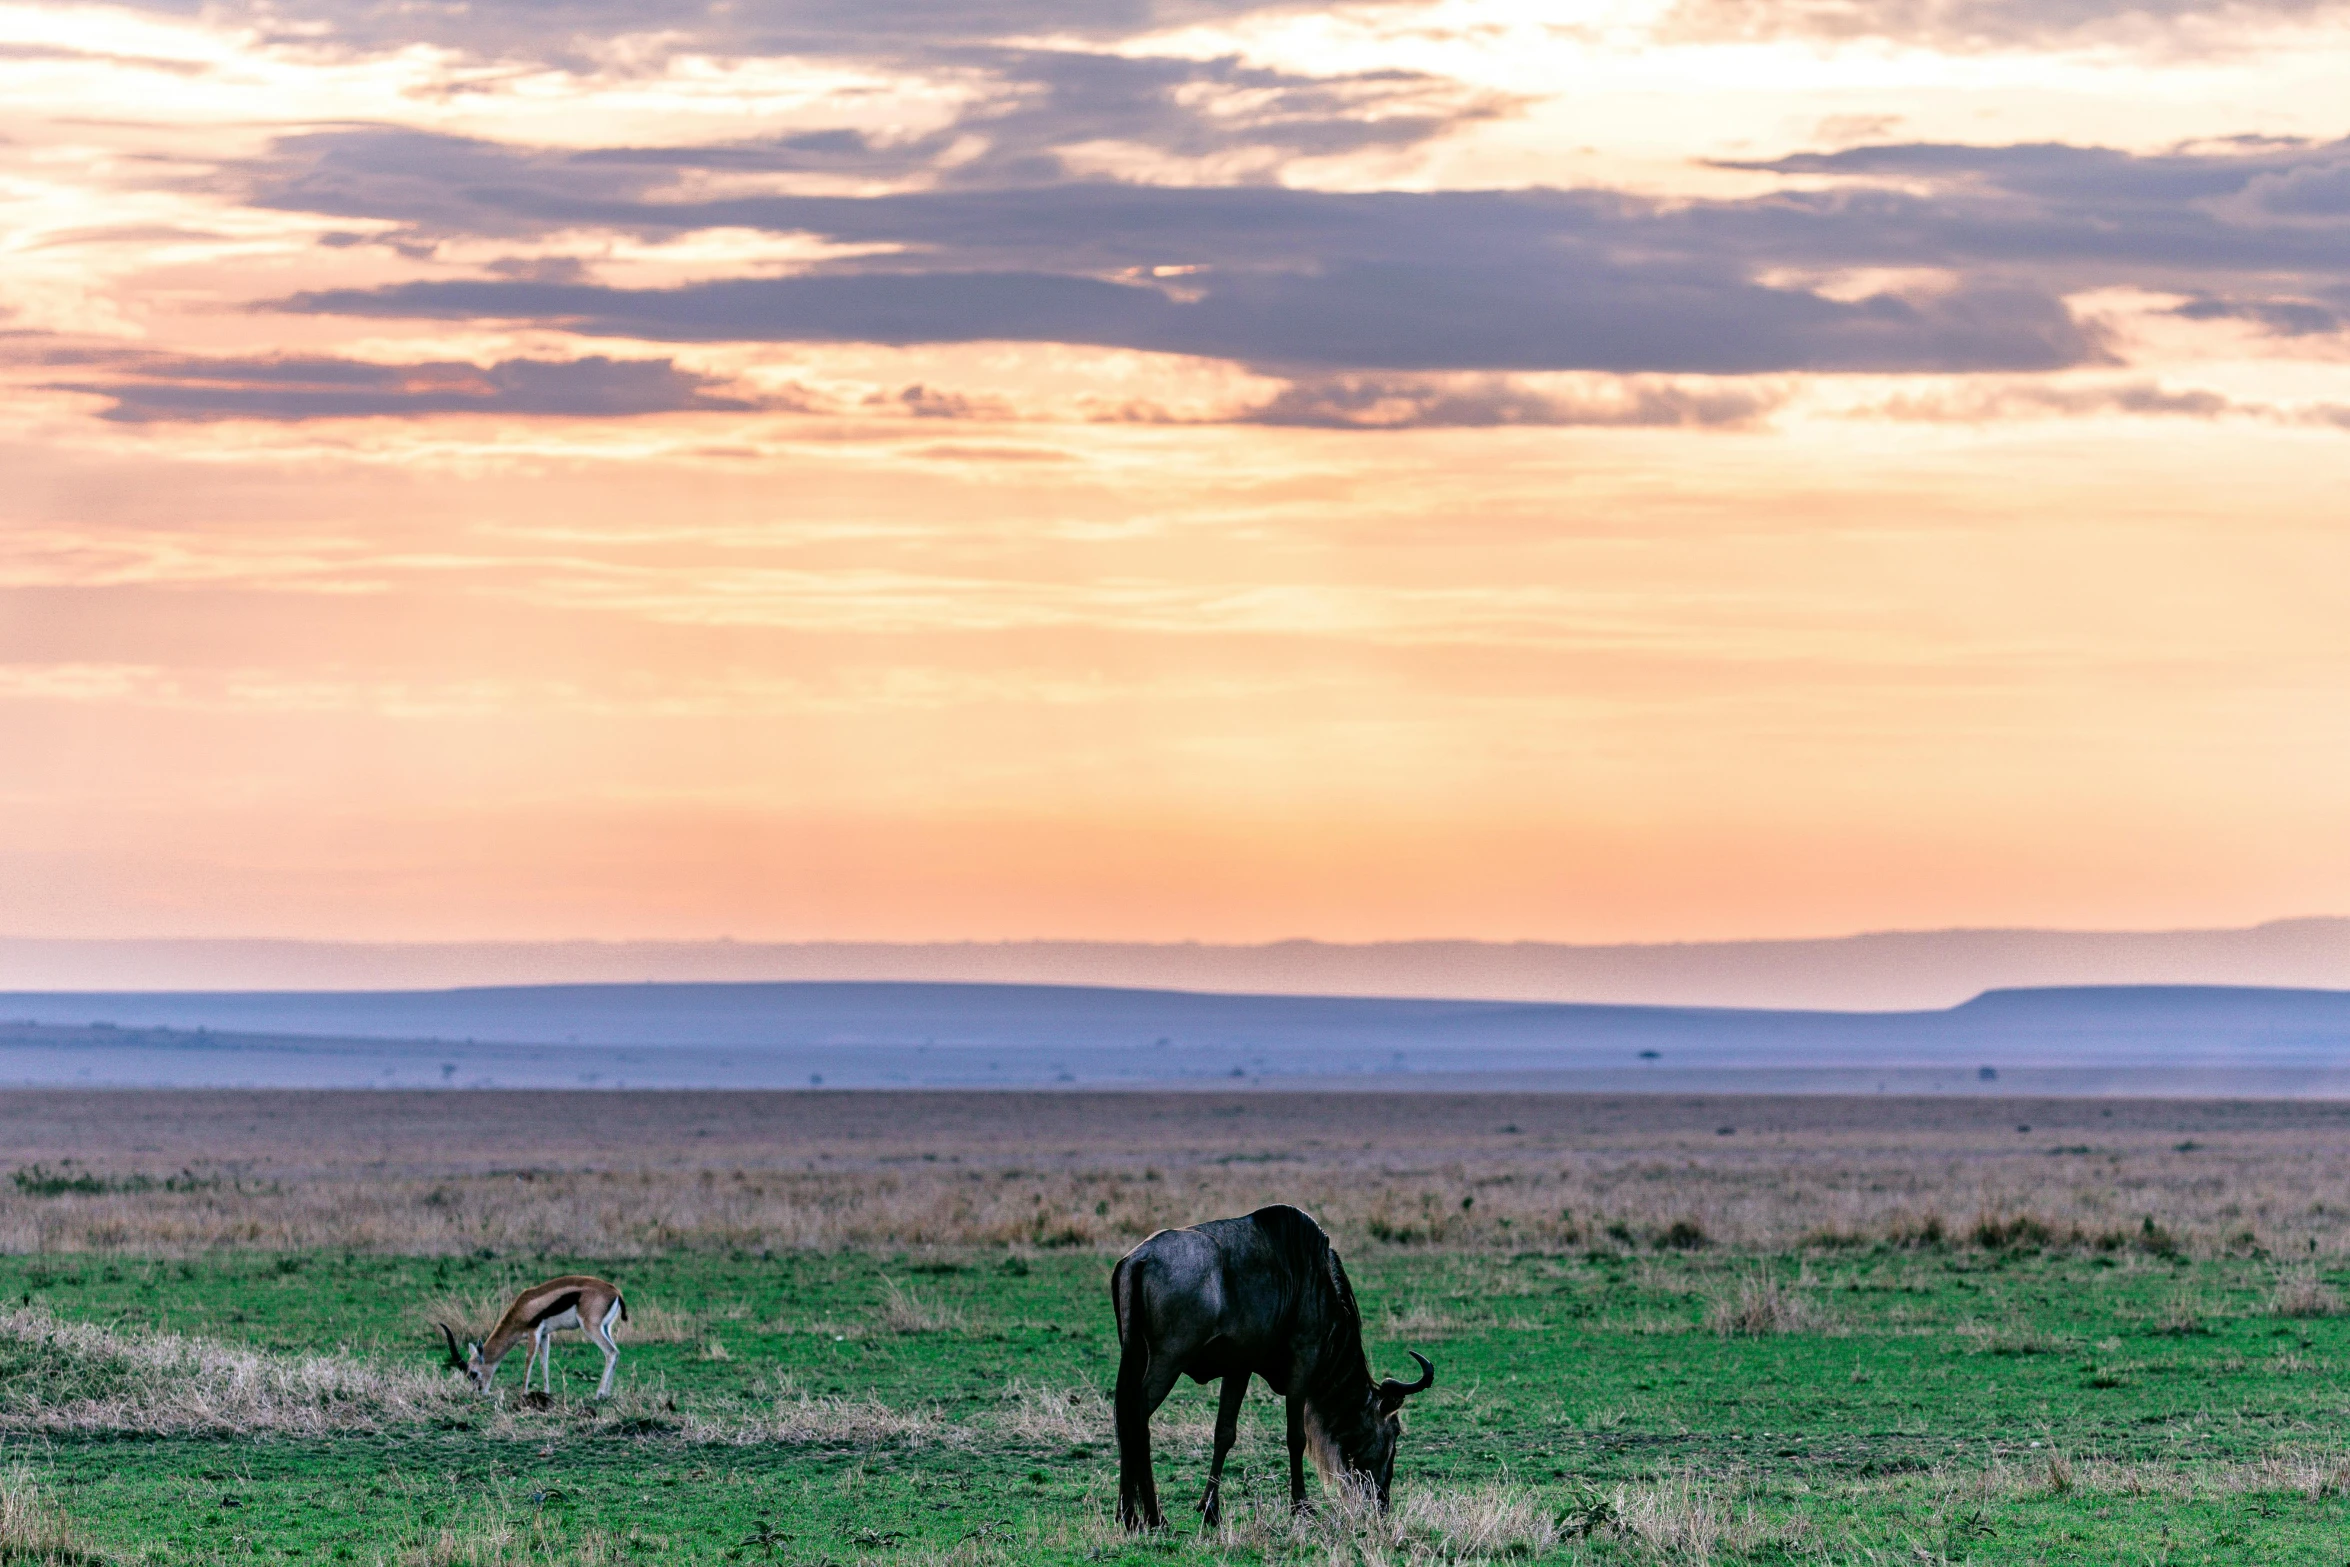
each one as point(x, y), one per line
point(1378, 1458)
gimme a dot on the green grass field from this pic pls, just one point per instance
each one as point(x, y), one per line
point(1930, 1403)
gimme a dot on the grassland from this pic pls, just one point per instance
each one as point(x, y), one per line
point(2083, 1343)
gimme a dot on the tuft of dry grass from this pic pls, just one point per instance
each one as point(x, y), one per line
point(2300, 1292)
point(905, 1311)
point(1683, 1520)
point(1987, 1338)
point(2181, 1315)
point(72, 1376)
point(1060, 1417)
point(501, 1539)
point(811, 1421)
point(658, 1324)
point(1424, 1528)
point(1677, 1519)
point(33, 1529)
point(1430, 1323)
point(1758, 1305)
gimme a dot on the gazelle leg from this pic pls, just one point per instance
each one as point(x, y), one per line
point(602, 1333)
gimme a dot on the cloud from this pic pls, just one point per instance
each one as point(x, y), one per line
point(1044, 112)
point(1992, 401)
point(573, 34)
point(1563, 316)
point(159, 389)
point(1380, 403)
point(1298, 281)
point(57, 53)
point(2170, 26)
point(2282, 317)
point(2105, 176)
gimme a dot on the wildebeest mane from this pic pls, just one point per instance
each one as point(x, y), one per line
point(1337, 1389)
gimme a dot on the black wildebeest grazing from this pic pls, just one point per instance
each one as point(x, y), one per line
point(1234, 1298)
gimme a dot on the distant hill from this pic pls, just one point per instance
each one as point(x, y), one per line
point(1887, 971)
point(946, 1035)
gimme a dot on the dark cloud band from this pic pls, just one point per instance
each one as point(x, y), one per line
point(154, 390)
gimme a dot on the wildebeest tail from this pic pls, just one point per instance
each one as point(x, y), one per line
point(1126, 1299)
point(1138, 1497)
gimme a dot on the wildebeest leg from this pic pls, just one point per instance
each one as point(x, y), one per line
point(1143, 1385)
point(1297, 1446)
point(1228, 1402)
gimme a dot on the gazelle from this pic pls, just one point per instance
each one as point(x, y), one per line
point(573, 1301)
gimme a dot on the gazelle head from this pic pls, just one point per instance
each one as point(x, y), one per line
point(469, 1361)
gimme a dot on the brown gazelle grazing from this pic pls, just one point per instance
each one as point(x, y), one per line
point(573, 1301)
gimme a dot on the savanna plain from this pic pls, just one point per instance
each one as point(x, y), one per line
point(874, 1328)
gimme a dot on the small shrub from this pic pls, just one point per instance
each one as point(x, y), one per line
point(1682, 1235)
point(2011, 1232)
point(35, 1180)
point(1590, 1514)
point(1825, 1239)
point(1927, 1234)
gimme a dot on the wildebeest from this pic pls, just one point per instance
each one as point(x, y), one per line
point(1234, 1298)
point(576, 1300)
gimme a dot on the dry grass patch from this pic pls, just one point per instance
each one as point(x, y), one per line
point(1056, 1416)
point(1990, 1338)
point(811, 1421)
point(656, 1324)
point(504, 1540)
point(2183, 1314)
point(2300, 1292)
point(435, 1173)
point(1679, 1520)
point(1759, 1304)
point(905, 1311)
point(1428, 1323)
point(60, 1376)
point(33, 1529)
point(1425, 1527)
point(2312, 1476)
point(1683, 1520)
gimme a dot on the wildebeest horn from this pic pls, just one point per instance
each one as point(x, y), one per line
point(455, 1359)
point(1392, 1392)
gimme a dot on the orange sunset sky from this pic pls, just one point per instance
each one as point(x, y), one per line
point(1630, 471)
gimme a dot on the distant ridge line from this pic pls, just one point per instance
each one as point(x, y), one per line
point(1875, 971)
point(914, 1034)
